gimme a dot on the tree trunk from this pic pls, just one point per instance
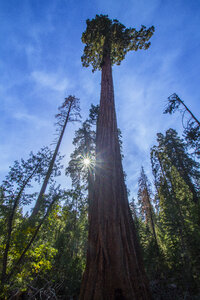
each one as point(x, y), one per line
point(114, 268)
point(188, 110)
point(40, 199)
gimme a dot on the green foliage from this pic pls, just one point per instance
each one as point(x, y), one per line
point(93, 115)
point(109, 37)
point(175, 150)
point(152, 255)
point(173, 171)
point(84, 142)
point(57, 256)
point(147, 228)
point(16, 230)
point(69, 240)
point(22, 174)
point(53, 264)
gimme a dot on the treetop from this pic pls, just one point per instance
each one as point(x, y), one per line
point(104, 36)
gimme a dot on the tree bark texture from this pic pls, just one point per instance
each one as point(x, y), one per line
point(114, 268)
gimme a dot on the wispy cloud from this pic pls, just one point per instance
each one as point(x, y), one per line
point(50, 80)
point(32, 119)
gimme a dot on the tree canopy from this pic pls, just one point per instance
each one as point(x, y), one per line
point(104, 36)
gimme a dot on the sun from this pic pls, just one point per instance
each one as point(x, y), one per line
point(86, 161)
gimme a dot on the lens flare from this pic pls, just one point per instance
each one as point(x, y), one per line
point(86, 161)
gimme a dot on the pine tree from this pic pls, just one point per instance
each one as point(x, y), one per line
point(81, 165)
point(69, 111)
point(83, 156)
point(114, 268)
point(147, 228)
point(178, 215)
point(176, 150)
point(144, 201)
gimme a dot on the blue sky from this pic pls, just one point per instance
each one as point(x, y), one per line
point(40, 50)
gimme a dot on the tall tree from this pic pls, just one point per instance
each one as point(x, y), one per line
point(83, 155)
point(69, 111)
point(81, 165)
point(144, 201)
point(176, 151)
point(147, 228)
point(114, 268)
point(178, 214)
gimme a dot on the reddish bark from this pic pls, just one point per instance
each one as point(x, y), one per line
point(114, 268)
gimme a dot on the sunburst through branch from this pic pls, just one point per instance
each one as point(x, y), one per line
point(87, 162)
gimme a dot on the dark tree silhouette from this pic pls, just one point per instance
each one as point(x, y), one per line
point(114, 268)
point(176, 150)
point(192, 128)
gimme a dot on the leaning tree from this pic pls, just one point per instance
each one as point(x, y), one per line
point(114, 268)
point(191, 128)
point(69, 111)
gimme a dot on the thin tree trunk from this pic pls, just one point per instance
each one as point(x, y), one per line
point(40, 198)
point(114, 267)
point(189, 111)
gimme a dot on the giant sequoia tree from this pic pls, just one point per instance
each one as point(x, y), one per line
point(114, 268)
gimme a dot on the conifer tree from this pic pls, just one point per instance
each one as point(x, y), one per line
point(114, 268)
point(176, 151)
point(69, 111)
point(148, 229)
point(144, 202)
point(83, 156)
point(81, 165)
point(178, 214)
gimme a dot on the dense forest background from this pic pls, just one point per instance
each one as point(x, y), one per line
point(43, 254)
